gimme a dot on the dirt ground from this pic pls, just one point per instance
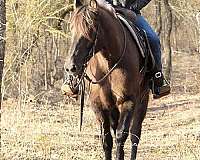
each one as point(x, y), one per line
point(47, 129)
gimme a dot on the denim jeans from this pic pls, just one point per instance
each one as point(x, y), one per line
point(153, 39)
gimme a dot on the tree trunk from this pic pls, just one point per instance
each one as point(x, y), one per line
point(2, 40)
point(46, 62)
point(176, 34)
point(198, 28)
point(158, 17)
point(168, 40)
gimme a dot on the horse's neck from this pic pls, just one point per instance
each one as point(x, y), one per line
point(112, 35)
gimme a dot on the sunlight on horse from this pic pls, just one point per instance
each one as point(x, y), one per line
point(103, 52)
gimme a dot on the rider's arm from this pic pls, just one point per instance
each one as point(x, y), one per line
point(142, 3)
point(139, 4)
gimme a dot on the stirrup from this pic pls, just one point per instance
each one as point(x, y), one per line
point(158, 75)
point(158, 79)
point(162, 91)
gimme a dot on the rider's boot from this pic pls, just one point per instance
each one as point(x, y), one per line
point(160, 86)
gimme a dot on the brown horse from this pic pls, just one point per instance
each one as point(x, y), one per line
point(103, 51)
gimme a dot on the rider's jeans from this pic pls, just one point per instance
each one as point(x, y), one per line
point(153, 39)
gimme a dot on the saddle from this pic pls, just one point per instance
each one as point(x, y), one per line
point(128, 17)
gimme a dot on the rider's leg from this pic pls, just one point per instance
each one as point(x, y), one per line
point(155, 47)
point(153, 40)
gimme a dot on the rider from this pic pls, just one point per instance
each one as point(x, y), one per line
point(161, 86)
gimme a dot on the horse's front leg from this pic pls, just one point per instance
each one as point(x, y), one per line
point(126, 113)
point(107, 139)
point(136, 126)
point(102, 116)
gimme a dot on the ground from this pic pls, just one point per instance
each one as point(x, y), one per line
point(48, 129)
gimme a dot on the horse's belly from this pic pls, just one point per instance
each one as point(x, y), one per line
point(123, 84)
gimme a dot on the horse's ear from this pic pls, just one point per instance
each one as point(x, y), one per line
point(77, 3)
point(93, 4)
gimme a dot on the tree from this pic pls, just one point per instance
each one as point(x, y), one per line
point(168, 40)
point(2, 39)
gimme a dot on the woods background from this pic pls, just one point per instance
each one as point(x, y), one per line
point(36, 48)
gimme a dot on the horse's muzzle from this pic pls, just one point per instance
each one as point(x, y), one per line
point(70, 87)
point(67, 91)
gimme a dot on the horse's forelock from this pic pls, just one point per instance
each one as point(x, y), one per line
point(83, 21)
point(84, 18)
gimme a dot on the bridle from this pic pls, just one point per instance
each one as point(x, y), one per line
point(91, 54)
point(81, 77)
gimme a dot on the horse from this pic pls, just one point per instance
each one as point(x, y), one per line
point(104, 54)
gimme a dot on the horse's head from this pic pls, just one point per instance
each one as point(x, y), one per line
point(84, 33)
point(83, 29)
point(90, 24)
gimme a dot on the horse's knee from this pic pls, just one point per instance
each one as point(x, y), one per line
point(121, 136)
point(114, 118)
point(126, 113)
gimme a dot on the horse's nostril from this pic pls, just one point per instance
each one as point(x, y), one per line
point(73, 69)
point(67, 70)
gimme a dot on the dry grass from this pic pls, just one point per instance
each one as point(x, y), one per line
point(45, 130)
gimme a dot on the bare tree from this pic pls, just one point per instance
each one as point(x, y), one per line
point(198, 22)
point(168, 39)
point(2, 39)
point(158, 17)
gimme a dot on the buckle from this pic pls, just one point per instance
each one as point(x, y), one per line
point(158, 75)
